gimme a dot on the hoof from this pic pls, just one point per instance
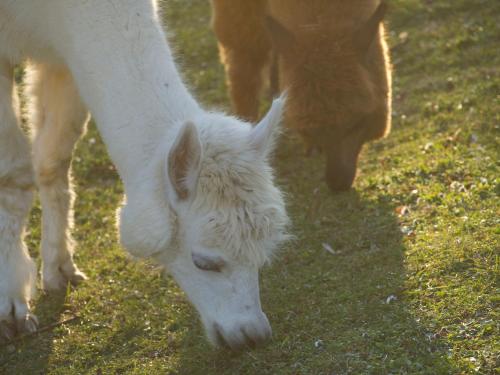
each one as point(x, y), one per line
point(10, 328)
point(77, 278)
point(59, 280)
point(27, 324)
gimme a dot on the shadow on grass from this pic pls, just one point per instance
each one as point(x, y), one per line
point(338, 313)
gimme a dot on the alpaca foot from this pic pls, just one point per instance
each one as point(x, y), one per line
point(58, 278)
point(18, 321)
point(17, 287)
point(27, 324)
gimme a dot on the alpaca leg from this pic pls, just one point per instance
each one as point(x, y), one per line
point(244, 75)
point(58, 118)
point(17, 269)
point(244, 48)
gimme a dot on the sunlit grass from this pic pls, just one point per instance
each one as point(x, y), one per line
point(413, 284)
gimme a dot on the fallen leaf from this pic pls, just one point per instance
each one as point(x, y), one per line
point(402, 210)
point(328, 248)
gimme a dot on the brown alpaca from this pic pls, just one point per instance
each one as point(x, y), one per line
point(333, 62)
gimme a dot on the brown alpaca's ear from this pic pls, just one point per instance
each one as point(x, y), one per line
point(282, 39)
point(365, 36)
point(184, 161)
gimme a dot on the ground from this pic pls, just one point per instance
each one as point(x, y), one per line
point(411, 283)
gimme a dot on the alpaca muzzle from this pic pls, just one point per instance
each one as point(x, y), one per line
point(341, 177)
point(242, 335)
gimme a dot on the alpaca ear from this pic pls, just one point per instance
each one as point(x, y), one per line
point(184, 161)
point(365, 35)
point(282, 39)
point(264, 134)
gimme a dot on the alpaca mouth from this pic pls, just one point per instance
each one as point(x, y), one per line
point(340, 178)
point(241, 337)
point(342, 182)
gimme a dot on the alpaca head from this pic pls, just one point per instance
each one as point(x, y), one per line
point(335, 100)
point(225, 219)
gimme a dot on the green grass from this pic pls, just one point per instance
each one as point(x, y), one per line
point(422, 226)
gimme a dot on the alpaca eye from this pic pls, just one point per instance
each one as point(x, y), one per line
point(212, 263)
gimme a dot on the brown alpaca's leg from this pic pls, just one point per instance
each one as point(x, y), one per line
point(244, 75)
point(244, 49)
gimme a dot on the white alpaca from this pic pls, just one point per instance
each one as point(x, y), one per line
point(199, 191)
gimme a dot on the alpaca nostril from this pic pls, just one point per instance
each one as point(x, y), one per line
point(241, 338)
point(249, 341)
point(257, 335)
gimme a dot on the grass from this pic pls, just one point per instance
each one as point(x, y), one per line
point(413, 287)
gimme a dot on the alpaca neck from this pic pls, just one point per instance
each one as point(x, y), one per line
point(130, 83)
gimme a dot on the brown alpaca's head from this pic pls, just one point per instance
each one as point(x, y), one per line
point(337, 89)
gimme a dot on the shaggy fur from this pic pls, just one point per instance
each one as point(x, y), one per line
point(335, 70)
point(199, 192)
point(233, 193)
